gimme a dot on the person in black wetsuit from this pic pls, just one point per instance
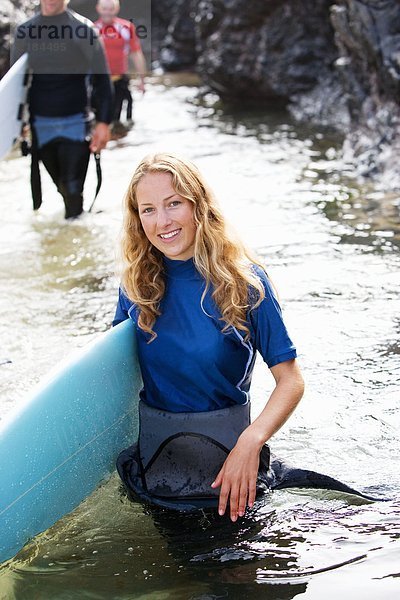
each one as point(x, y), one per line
point(69, 73)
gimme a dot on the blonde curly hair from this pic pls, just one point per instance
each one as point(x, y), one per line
point(219, 256)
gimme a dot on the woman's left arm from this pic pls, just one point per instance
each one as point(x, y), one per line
point(238, 476)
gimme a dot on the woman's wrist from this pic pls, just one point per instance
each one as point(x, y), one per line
point(253, 436)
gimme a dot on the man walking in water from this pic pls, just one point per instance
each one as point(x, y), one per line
point(120, 41)
point(67, 62)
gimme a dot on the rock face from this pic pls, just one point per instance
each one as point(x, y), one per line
point(271, 52)
point(336, 63)
point(174, 33)
point(11, 12)
point(367, 34)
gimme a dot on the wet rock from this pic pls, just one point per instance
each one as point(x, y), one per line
point(267, 51)
point(367, 34)
point(162, 14)
point(264, 52)
point(173, 29)
point(11, 13)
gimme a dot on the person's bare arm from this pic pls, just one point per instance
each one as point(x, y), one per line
point(140, 66)
point(238, 476)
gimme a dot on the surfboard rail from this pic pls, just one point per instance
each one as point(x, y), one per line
point(60, 442)
point(12, 95)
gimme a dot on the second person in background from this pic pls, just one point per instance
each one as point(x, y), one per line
point(120, 41)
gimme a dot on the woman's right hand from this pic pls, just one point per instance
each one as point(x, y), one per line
point(238, 475)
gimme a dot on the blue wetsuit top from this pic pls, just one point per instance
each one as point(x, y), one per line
point(191, 365)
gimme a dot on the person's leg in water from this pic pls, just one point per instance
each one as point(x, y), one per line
point(118, 99)
point(127, 98)
point(129, 107)
point(67, 162)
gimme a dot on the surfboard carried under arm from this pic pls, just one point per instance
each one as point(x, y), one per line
point(57, 445)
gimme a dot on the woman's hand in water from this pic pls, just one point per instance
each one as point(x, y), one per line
point(238, 476)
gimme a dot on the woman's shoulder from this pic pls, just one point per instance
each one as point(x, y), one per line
point(123, 297)
point(260, 271)
point(125, 309)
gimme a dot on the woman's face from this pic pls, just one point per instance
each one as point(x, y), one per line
point(166, 217)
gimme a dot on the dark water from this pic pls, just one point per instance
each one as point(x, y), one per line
point(332, 247)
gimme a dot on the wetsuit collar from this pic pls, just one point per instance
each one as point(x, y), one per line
point(180, 269)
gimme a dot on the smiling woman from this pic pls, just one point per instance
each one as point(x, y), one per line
point(166, 217)
point(203, 305)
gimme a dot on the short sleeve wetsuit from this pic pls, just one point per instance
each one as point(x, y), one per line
point(191, 366)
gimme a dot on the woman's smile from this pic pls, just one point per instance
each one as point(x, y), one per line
point(170, 236)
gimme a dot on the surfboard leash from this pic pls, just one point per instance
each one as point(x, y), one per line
point(99, 178)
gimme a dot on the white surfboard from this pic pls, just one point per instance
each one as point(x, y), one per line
point(63, 440)
point(12, 96)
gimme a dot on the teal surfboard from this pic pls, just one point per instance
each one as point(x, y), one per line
point(63, 439)
point(12, 96)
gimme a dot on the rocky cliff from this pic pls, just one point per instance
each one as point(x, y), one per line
point(335, 63)
point(367, 35)
point(11, 12)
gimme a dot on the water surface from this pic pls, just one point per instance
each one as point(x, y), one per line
point(332, 248)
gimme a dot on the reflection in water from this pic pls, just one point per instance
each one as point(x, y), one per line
point(111, 547)
point(331, 247)
point(368, 219)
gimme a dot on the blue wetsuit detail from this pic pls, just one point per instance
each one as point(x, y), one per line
point(191, 365)
point(72, 127)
